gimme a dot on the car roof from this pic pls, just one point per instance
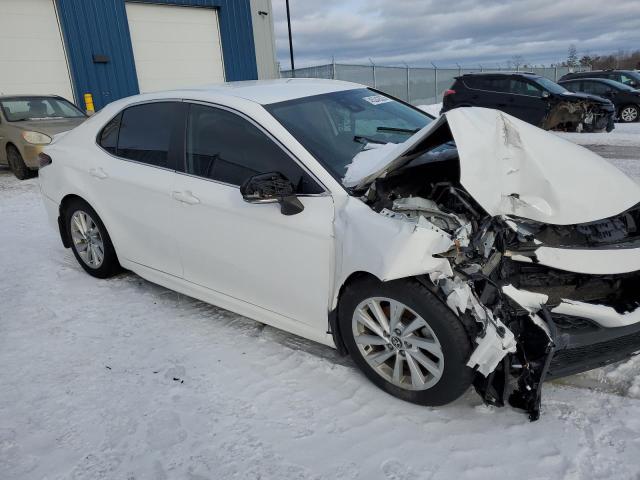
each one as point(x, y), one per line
point(526, 74)
point(610, 70)
point(594, 79)
point(266, 91)
point(24, 95)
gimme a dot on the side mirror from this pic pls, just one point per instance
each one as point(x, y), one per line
point(270, 188)
point(545, 94)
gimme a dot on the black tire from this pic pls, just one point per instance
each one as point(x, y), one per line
point(632, 113)
point(110, 265)
point(17, 165)
point(454, 341)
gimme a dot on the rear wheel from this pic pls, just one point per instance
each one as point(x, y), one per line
point(406, 341)
point(90, 240)
point(629, 113)
point(17, 165)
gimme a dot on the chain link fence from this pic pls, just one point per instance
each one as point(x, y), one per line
point(416, 85)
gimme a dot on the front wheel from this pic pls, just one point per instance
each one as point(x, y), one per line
point(406, 341)
point(90, 240)
point(17, 165)
point(630, 113)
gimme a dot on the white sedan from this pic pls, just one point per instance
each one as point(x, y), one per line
point(439, 253)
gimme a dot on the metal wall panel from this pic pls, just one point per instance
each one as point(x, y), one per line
point(100, 27)
point(264, 38)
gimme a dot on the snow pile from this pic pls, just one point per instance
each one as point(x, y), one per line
point(624, 135)
point(121, 378)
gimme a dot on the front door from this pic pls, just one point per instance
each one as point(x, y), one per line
point(251, 252)
point(525, 101)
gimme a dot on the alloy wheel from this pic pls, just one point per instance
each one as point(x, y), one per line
point(397, 343)
point(629, 114)
point(87, 239)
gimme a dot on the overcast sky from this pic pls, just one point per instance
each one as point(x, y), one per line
point(448, 31)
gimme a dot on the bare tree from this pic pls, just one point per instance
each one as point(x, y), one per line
point(572, 56)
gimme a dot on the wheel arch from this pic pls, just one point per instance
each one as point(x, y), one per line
point(64, 236)
point(64, 203)
point(334, 324)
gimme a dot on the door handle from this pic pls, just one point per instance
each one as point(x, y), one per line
point(98, 173)
point(185, 197)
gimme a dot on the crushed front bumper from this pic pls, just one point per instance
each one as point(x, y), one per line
point(589, 326)
point(582, 345)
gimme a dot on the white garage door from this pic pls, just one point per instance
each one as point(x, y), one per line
point(175, 47)
point(32, 57)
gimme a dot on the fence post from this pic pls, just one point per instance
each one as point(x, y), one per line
point(333, 68)
point(435, 82)
point(408, 85)
point(555, 74)
point(373, 68)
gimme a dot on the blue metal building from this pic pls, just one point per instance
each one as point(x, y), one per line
point(116, 48)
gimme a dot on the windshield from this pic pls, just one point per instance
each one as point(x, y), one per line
point(551, 86)
point(18, 109)
point(336, 126)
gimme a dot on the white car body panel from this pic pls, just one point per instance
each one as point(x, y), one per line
point(138, 206)
point(593, 262)
point(254, 253)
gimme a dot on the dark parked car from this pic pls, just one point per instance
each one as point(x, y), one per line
point(532, 98)
point(625, 98)
point(628, 77)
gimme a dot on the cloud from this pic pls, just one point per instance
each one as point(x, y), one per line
point(445, 32)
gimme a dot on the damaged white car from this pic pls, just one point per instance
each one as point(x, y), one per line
point(472, 249)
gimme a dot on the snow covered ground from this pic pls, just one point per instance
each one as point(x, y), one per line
point(122, 379)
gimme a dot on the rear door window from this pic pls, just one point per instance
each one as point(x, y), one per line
point(595, 88)
point(496, 84)
point(493, 84)
point(148, 132)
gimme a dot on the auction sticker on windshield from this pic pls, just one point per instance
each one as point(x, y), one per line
point(377, 99)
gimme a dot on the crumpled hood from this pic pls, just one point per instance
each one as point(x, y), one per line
point(575, 96)
point(513, 168)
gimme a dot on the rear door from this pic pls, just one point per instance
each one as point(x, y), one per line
point(134, 174)
point(487, 91)
point(600, 89)
point(248, 251)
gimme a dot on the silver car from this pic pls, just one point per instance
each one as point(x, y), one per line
point(27, 123)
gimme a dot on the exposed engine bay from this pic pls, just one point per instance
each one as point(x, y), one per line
point(578, 116)
point(526, 320)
